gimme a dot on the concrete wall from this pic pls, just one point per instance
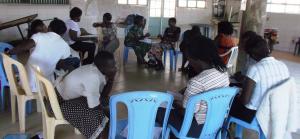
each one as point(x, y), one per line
point(93, 12)
point(289, 29)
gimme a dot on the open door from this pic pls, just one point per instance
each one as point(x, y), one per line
point(160, 12)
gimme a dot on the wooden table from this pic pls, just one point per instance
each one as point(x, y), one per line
point(18, 22)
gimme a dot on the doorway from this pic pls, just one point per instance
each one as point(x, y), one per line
point(160, 12)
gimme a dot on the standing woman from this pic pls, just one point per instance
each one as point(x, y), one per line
point(110, 41)
point(134, 36)
point(74, 36)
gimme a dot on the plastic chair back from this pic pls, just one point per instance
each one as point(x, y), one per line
point(218, 103)
point(11, 73)
point(233, 56)
point(47, 93)
point(142, 108)
point(4, 46)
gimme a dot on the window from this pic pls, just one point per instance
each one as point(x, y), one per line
point(168, 10)
point(155, 8)
point(192, 3)
point(35, 1)
point(133, 2)
point(284, 6)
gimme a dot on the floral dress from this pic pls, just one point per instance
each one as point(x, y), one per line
point(110, 41)
point(132, 39)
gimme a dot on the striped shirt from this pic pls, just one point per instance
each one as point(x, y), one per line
point(266, 73)
point(205, 81)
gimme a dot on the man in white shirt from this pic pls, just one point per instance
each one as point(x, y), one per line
point(74, 39)
point(48, 49)
point(82, 94)
point(260, 77)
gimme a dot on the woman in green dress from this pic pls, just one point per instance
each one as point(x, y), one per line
point(134, 37)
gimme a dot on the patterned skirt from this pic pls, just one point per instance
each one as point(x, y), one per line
point(89, 121)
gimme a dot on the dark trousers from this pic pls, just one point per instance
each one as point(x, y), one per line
point(238, 110)
point(84, 47)
point(175, 119)
point(71, 63)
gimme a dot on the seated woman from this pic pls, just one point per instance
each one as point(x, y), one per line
point(48, 50)
point(211, 74)
point(134, 37)
point(38, 26)
point(83, 94)
point(110, 41)
point(168, 40)
point(260, 77)
point(74, 36)
point(224, 39)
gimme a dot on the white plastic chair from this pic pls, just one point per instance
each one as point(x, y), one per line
point(231, 64)
point(46, 92)
point(20, 90)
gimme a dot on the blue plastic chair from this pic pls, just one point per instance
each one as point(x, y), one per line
point(4, 82)
point(242, 124)
point(218, 102)
point(126, 48)
point(17, 136)
point(172, 57)
point(142, 108)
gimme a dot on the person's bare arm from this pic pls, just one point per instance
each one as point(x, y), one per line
point(22, 47)
point(247, 91)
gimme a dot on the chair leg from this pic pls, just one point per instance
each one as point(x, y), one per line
point(21, 110)
point(238, 131)
point(2, 97)
point(165, 57)
point(13, 108)
point(125, 55)
point(51, 131)
point(44, 125)
point(167, 134)
point(171, 59)
point(176, 58)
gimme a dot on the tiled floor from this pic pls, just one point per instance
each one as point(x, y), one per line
point(130, 78)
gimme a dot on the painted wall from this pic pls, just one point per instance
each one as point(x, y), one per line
point(289, 29)
point(92, 13)
point(11, 12)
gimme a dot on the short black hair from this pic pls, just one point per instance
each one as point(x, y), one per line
point(196, 30)
point(225, 27)
point(108, 16)
point(58, 26)
point(138, 19)
point(248, 35)
point(34, 25)
point(258, 46)
point(172, 20)
point(204, 49)
point(102, 58)
point(75, 12)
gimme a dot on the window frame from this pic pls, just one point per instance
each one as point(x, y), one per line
point(196, 7)
point(284, 4)
point(137, 4)
point(36, 2)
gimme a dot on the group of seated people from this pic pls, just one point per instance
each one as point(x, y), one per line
point(83, 92)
